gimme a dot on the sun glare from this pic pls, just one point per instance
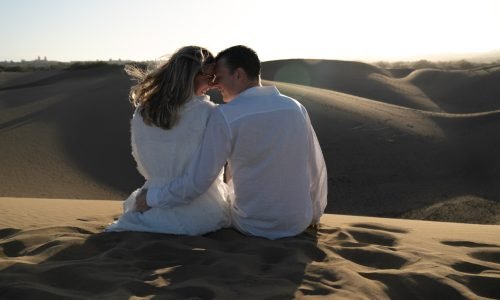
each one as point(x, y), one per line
point(142, 30)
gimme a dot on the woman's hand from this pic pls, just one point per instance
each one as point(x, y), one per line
point(141, 205)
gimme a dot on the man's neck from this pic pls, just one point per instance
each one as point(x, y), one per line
point(252, 84)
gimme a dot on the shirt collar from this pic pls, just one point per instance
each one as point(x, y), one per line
point(259, 91)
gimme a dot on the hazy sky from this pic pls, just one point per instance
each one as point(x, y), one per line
point(68, 30)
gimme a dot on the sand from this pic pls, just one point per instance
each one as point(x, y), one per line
point(55, 249)
point(416, 145)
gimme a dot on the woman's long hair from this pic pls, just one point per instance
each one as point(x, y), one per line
point(161, 92)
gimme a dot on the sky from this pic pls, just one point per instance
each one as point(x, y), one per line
point(367, 30)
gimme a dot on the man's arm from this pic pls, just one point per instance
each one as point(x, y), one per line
point(202, 171)
point(318, 174)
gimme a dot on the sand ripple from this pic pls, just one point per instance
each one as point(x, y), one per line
point(354, 261)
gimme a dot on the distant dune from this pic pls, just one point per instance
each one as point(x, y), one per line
point(354, 78)
point(454, 91)
point(468, 91)
point(385, 160)
point(421, 145)
point(65, 134)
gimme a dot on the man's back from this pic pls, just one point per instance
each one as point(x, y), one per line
point(271, 149)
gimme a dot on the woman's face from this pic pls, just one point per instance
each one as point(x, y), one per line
point(204, 80)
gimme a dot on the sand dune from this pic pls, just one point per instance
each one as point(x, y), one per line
point(388, 160)
point(66, 135)
point(392, 152)
point(348, 257)
point(417, 144)
point(457, 91)
point(354, 78)
point(467, 91)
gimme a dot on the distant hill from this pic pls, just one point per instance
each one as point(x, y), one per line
point(349, 77)
point(482, 57)
point(456, 91)
point(44, 65)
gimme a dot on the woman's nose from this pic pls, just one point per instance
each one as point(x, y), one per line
point(214, 82)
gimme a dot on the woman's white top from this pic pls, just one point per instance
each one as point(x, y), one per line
point(163, 155)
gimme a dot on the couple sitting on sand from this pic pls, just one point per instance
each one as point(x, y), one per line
point(276, 181)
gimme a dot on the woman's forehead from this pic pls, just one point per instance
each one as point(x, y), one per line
point(208, 68)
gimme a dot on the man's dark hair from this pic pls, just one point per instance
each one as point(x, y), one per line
point(241, 57)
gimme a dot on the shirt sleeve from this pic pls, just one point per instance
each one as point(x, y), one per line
point(318, 174)
point(202, 171)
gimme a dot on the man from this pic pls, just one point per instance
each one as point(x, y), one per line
point(278, 171)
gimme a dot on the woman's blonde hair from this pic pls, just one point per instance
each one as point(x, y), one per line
point(162, 91)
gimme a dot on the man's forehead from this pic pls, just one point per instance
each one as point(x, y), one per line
point(220, 66)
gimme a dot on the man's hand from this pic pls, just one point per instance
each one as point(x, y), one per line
point(140, 201)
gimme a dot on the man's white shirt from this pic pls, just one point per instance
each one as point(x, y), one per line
point(278, 169)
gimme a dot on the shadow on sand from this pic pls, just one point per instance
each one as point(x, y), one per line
point(219, 265)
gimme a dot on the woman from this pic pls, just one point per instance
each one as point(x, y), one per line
point(166, 131)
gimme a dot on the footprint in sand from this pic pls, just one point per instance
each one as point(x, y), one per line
point(410, 285)
point(487, 286)
point(489, 253)
point(483, 282)
point(467, 267)
point(371, 245)
point(467, 244)
point(7, 232)
point(373, 237)
point(373, 258)
point(12, 248)
point(380, 227)
point(361, 235)
point(320, 281)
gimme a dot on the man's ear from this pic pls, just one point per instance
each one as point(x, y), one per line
point(240, 73)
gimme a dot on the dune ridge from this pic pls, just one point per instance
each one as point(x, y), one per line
point(454, 91)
